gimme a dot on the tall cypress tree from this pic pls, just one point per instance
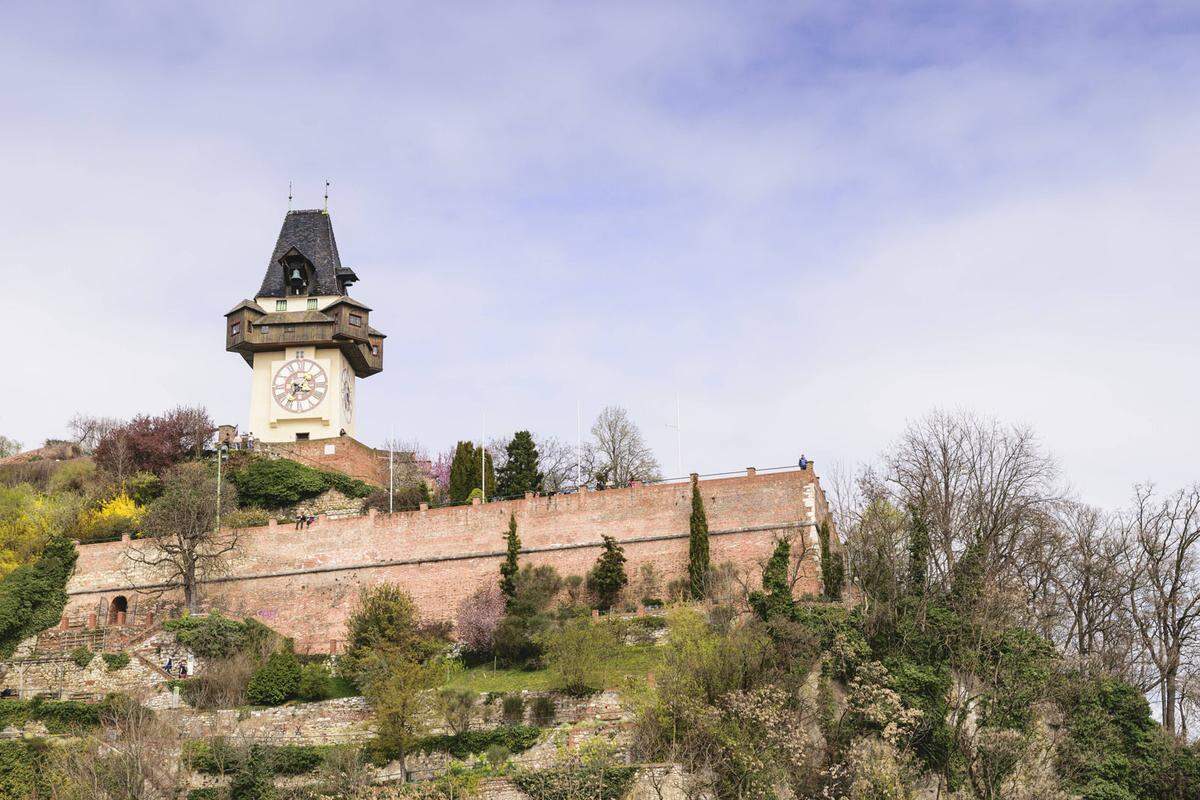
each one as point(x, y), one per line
point(464, 472)
point(509, 569)
point(520, 471)
point(699, 565)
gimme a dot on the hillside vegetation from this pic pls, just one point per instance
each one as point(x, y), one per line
point(979, 635)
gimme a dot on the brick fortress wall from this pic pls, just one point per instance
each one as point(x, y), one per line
point(304, 583)
point(340, 453)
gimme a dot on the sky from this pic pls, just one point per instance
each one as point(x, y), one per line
point(810, 222)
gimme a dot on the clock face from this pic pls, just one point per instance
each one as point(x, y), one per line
point(300, 385)
point(348, 393)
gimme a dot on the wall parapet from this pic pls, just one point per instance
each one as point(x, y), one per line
point(303, 582)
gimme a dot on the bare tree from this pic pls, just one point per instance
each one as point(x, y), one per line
point(410, 462)
point(622, 453)
point(1087, 603)
point(134, 758)
point(1164, 584)
point(558, 462)
point(181, 540)
point(980, 483)
point(87, 431)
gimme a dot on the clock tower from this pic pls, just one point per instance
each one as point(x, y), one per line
point(305, 339)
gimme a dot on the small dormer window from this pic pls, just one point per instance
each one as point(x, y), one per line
point(281, 305)
point(312, 304)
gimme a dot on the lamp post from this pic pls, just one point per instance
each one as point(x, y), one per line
point(222, 455)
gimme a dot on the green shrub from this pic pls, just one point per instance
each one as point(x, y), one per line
point(59, 716)
point(602, 782)
point(516, 640)
point(115, 661)
point(513, 709)
point(276, 681)
point(577, 655)
point(543, 710)
point(315, 682)
point(143, 487)
point(253, 780)
point(23, 769)
point(497, 754)
point(270, 484)
point(82, 656)
point(514, 738)
point(33, 596)
point(207, 793)
point(216, 636)
point(218, 757)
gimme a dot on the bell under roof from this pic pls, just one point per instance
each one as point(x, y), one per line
point(308, 233)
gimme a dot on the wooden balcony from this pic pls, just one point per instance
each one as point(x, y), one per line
point(248, 331)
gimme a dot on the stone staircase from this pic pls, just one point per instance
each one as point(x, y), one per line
point(107, 639)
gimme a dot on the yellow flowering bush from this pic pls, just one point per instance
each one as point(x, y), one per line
point(116, 516)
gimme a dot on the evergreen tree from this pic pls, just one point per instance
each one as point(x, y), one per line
point(520, 471)
point(464, 473)
point(833, 569)
point(699, 565)
point(509, 569)
point(608, 578)
point(775, 599)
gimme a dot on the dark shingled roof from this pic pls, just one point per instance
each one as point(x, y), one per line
point(250, 304)
point(310, 233)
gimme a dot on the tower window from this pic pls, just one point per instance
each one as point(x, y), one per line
point(235, 329)
point(356, 320)
point(299, 354)
point(281, 305)
point(374, 349)
point(312, 304)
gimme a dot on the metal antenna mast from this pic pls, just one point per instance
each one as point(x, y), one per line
point(678, 438)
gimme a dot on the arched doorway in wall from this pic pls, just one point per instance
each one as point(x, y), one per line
point(117, 610)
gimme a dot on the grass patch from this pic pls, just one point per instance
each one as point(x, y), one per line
point(628, 661)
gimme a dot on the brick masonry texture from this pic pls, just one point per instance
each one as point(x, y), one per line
point(305, 583)
point(349, 456)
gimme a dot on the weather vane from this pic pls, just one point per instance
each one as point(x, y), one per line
point(326, 195)
point(289, 195)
